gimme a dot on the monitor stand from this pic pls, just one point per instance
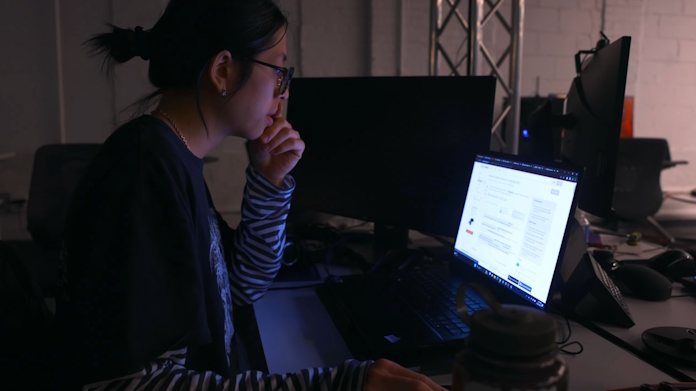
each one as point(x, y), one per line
point(388, 238)
point(542, 124)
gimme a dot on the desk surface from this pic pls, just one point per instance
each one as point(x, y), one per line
point(296, 333)
point(674, 210)
point(675, 312)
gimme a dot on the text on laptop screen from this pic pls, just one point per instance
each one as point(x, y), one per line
point(513, 223)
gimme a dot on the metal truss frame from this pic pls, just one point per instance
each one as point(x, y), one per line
point(479, 17)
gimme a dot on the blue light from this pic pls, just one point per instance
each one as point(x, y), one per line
point(525, 133)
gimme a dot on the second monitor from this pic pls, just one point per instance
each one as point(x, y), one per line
point(395, 151)
point(591, 122)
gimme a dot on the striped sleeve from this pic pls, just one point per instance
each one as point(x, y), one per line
point(169, 372)
point(260, 238)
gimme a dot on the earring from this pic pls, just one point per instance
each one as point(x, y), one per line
point(224, 93)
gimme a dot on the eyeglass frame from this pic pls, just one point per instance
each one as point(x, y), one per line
point(287, 73)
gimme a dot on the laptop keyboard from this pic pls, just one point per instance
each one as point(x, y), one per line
point(433, 297)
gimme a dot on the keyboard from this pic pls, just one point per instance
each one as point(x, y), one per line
point(433, 297)
point(417, 306)
point(611, 287)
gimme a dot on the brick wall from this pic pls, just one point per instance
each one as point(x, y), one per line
point(666, 87)
point(662, 65)
point(357, 38)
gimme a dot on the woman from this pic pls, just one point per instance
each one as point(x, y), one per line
point(150, 270)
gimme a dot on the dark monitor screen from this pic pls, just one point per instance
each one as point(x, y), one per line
point(396, 151)
point(595, 103)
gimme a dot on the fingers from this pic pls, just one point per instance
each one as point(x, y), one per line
point(272, 131)
point(279, 113)
point(398, 370)
point(290, 144)
point(280, 138)
point(388, 375)
point(389, 382)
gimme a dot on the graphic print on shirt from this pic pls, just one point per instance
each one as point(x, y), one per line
point(218, 266)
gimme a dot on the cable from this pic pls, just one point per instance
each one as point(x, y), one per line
point(564, 348)
point(379, 261)
point(408, 258)
point(328, 255)
point(306, 240)
point(564, 344)
point(290, 243)
point(667, 195)
point(691, 201)
point(567, 337)
point(458, 62)
point(672, 195)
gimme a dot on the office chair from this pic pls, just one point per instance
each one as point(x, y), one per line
point(57, 170)
point(25, 319)
point(637, 189)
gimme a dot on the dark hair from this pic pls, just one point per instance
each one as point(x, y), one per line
point(188, 35)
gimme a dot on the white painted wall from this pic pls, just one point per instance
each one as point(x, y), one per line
point(666, 82)
point(28, 86)
point(662, 65)
point(325, 39)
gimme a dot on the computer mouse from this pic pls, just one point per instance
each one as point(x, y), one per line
point(674, 264)
point(642, 282)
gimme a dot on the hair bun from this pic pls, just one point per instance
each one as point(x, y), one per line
point(127, 43)
point(142, 43)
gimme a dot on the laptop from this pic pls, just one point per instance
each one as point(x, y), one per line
point(512, 234)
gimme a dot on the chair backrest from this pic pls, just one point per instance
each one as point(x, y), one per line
point(637, 189)
point(58, 168)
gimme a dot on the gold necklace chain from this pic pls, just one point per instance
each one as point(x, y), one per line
point(181, 136)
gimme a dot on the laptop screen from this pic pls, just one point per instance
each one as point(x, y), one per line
point(514, 221)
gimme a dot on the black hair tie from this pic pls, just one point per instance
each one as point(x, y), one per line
point(142, 44)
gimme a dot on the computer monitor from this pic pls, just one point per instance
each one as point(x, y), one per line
point(591, 123)
point(396, 151)
point(595, 101)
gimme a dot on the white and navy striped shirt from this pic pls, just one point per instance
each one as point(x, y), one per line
point(256, 254)
point(168, 372)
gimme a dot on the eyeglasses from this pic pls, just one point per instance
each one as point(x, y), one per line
point(284, 74)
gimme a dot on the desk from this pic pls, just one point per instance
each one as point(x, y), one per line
point(297, 333)
point(677, 311)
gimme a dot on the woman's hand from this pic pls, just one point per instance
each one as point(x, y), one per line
point(385, 375)
point(277, 151)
